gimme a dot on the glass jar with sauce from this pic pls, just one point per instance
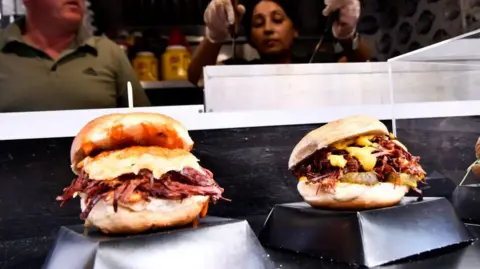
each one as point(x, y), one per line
point(146, 66)
point(175, 62)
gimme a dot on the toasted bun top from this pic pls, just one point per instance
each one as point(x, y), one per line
point(115, 131)
point(477, 149)
point(109, 165)
point(335, 131)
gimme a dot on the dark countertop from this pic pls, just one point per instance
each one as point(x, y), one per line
point(31, 253)
point(37, 169)
point(467, 257)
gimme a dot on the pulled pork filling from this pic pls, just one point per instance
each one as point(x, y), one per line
point(348, 162)
point(175, 185)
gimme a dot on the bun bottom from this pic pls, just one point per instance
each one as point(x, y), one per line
point(476, 169)
point(349, 196)
point(158, 213)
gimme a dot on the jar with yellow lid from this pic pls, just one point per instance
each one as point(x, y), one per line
point(146, 66)
point(175, 62)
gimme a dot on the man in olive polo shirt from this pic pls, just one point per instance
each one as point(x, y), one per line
point(49, 62)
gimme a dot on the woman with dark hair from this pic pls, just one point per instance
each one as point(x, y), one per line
point(271, 27)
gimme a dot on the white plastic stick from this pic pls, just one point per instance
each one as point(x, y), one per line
point(130, 95)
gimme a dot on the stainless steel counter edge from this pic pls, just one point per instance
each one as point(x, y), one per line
point(53, 124)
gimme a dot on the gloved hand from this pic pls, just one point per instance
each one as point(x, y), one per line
point(218, 16)
point(346, 25)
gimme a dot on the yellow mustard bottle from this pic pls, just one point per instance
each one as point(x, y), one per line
point(146, 66)
point(175, 62)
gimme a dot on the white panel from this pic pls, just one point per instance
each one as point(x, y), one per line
point(27, 125)
point(436, 86)
point(12, 7)
point(8, 7)
point(20, 8)
point(267, 87)
point(52, 124)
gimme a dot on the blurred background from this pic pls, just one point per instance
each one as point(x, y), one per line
point(146, 28)
point(391, 27)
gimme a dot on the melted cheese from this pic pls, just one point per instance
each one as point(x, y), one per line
point(114, 165)
point(337, 160)
point(364, 156)
point(302, 179)
point(364, 141)
point(343, 144)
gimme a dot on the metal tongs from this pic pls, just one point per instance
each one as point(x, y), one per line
point(334, 16)
point(234, 30)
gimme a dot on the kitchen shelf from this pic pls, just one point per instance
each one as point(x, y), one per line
point(167, 84)
point(196, 33)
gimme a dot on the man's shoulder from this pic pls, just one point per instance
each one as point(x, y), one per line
point(104, 43)
point(107, 52)
point(10, 32)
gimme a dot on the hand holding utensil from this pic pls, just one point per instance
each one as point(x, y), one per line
point(331, 19)
point(219, 16)
point(349, 13)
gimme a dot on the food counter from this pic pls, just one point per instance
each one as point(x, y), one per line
point(31, 253)
point(456, 259)
point(247, 149)
point(36, 165)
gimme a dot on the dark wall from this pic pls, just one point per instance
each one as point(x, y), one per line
point(250, 163)
point(390, 28)
point(444, 144)
point(396, 27)
point(472, 14)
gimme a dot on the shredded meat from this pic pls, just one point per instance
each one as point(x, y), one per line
point(353, 165)
point(391, 159)
point(396, 160)
point(172, 185)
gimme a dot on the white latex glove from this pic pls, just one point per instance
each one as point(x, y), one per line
point(346, 25)
point(218, 16)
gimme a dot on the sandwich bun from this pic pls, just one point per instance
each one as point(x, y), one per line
point(115, 131)
point(335, 131)
point(348, 196)
point(476, 169)
point(143, 216)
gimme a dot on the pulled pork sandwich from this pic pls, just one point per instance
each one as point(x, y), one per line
point(136, 173)
point(476, 165)
point(354, 163)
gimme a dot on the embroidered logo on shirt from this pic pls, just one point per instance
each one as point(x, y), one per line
point(90, 71)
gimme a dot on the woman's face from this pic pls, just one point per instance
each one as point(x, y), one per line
point(272, 29)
